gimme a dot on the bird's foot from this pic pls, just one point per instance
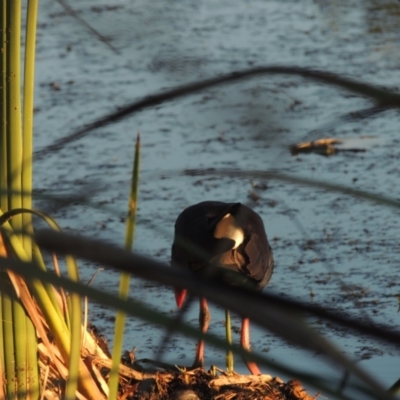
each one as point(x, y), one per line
point(253, 368)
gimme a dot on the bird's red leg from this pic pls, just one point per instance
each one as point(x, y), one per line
point(245, 343)
point(204, 321)
point(180, 295)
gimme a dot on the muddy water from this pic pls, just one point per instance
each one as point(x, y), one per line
point(331, 249)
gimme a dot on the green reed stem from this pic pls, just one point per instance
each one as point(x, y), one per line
point(8, 297)
point(27, 128)
point(14, 139)
point(228, 330)
point(125, 277)
point(3, 110)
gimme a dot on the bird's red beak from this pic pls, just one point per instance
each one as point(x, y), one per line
point(180, 295)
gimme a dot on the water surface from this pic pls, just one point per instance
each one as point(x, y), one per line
point(336, 251)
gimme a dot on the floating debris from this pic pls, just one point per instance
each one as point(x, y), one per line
point(330, 146)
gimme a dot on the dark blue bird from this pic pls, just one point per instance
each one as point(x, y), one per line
point(213, 235)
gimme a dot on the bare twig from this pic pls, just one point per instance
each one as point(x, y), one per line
point(99, 36)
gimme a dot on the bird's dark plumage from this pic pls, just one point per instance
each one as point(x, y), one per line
point(196, 247)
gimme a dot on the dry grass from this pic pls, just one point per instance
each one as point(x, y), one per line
point(200, 384)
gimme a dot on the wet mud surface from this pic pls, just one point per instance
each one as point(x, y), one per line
point(330, 249)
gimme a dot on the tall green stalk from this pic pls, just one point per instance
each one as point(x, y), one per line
point(15, 319)
point(5, 338)
point(3, 109)
point(14, 133)
point(8, 297)
point(125, 278)
point(27, 132)
point(33, 384)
